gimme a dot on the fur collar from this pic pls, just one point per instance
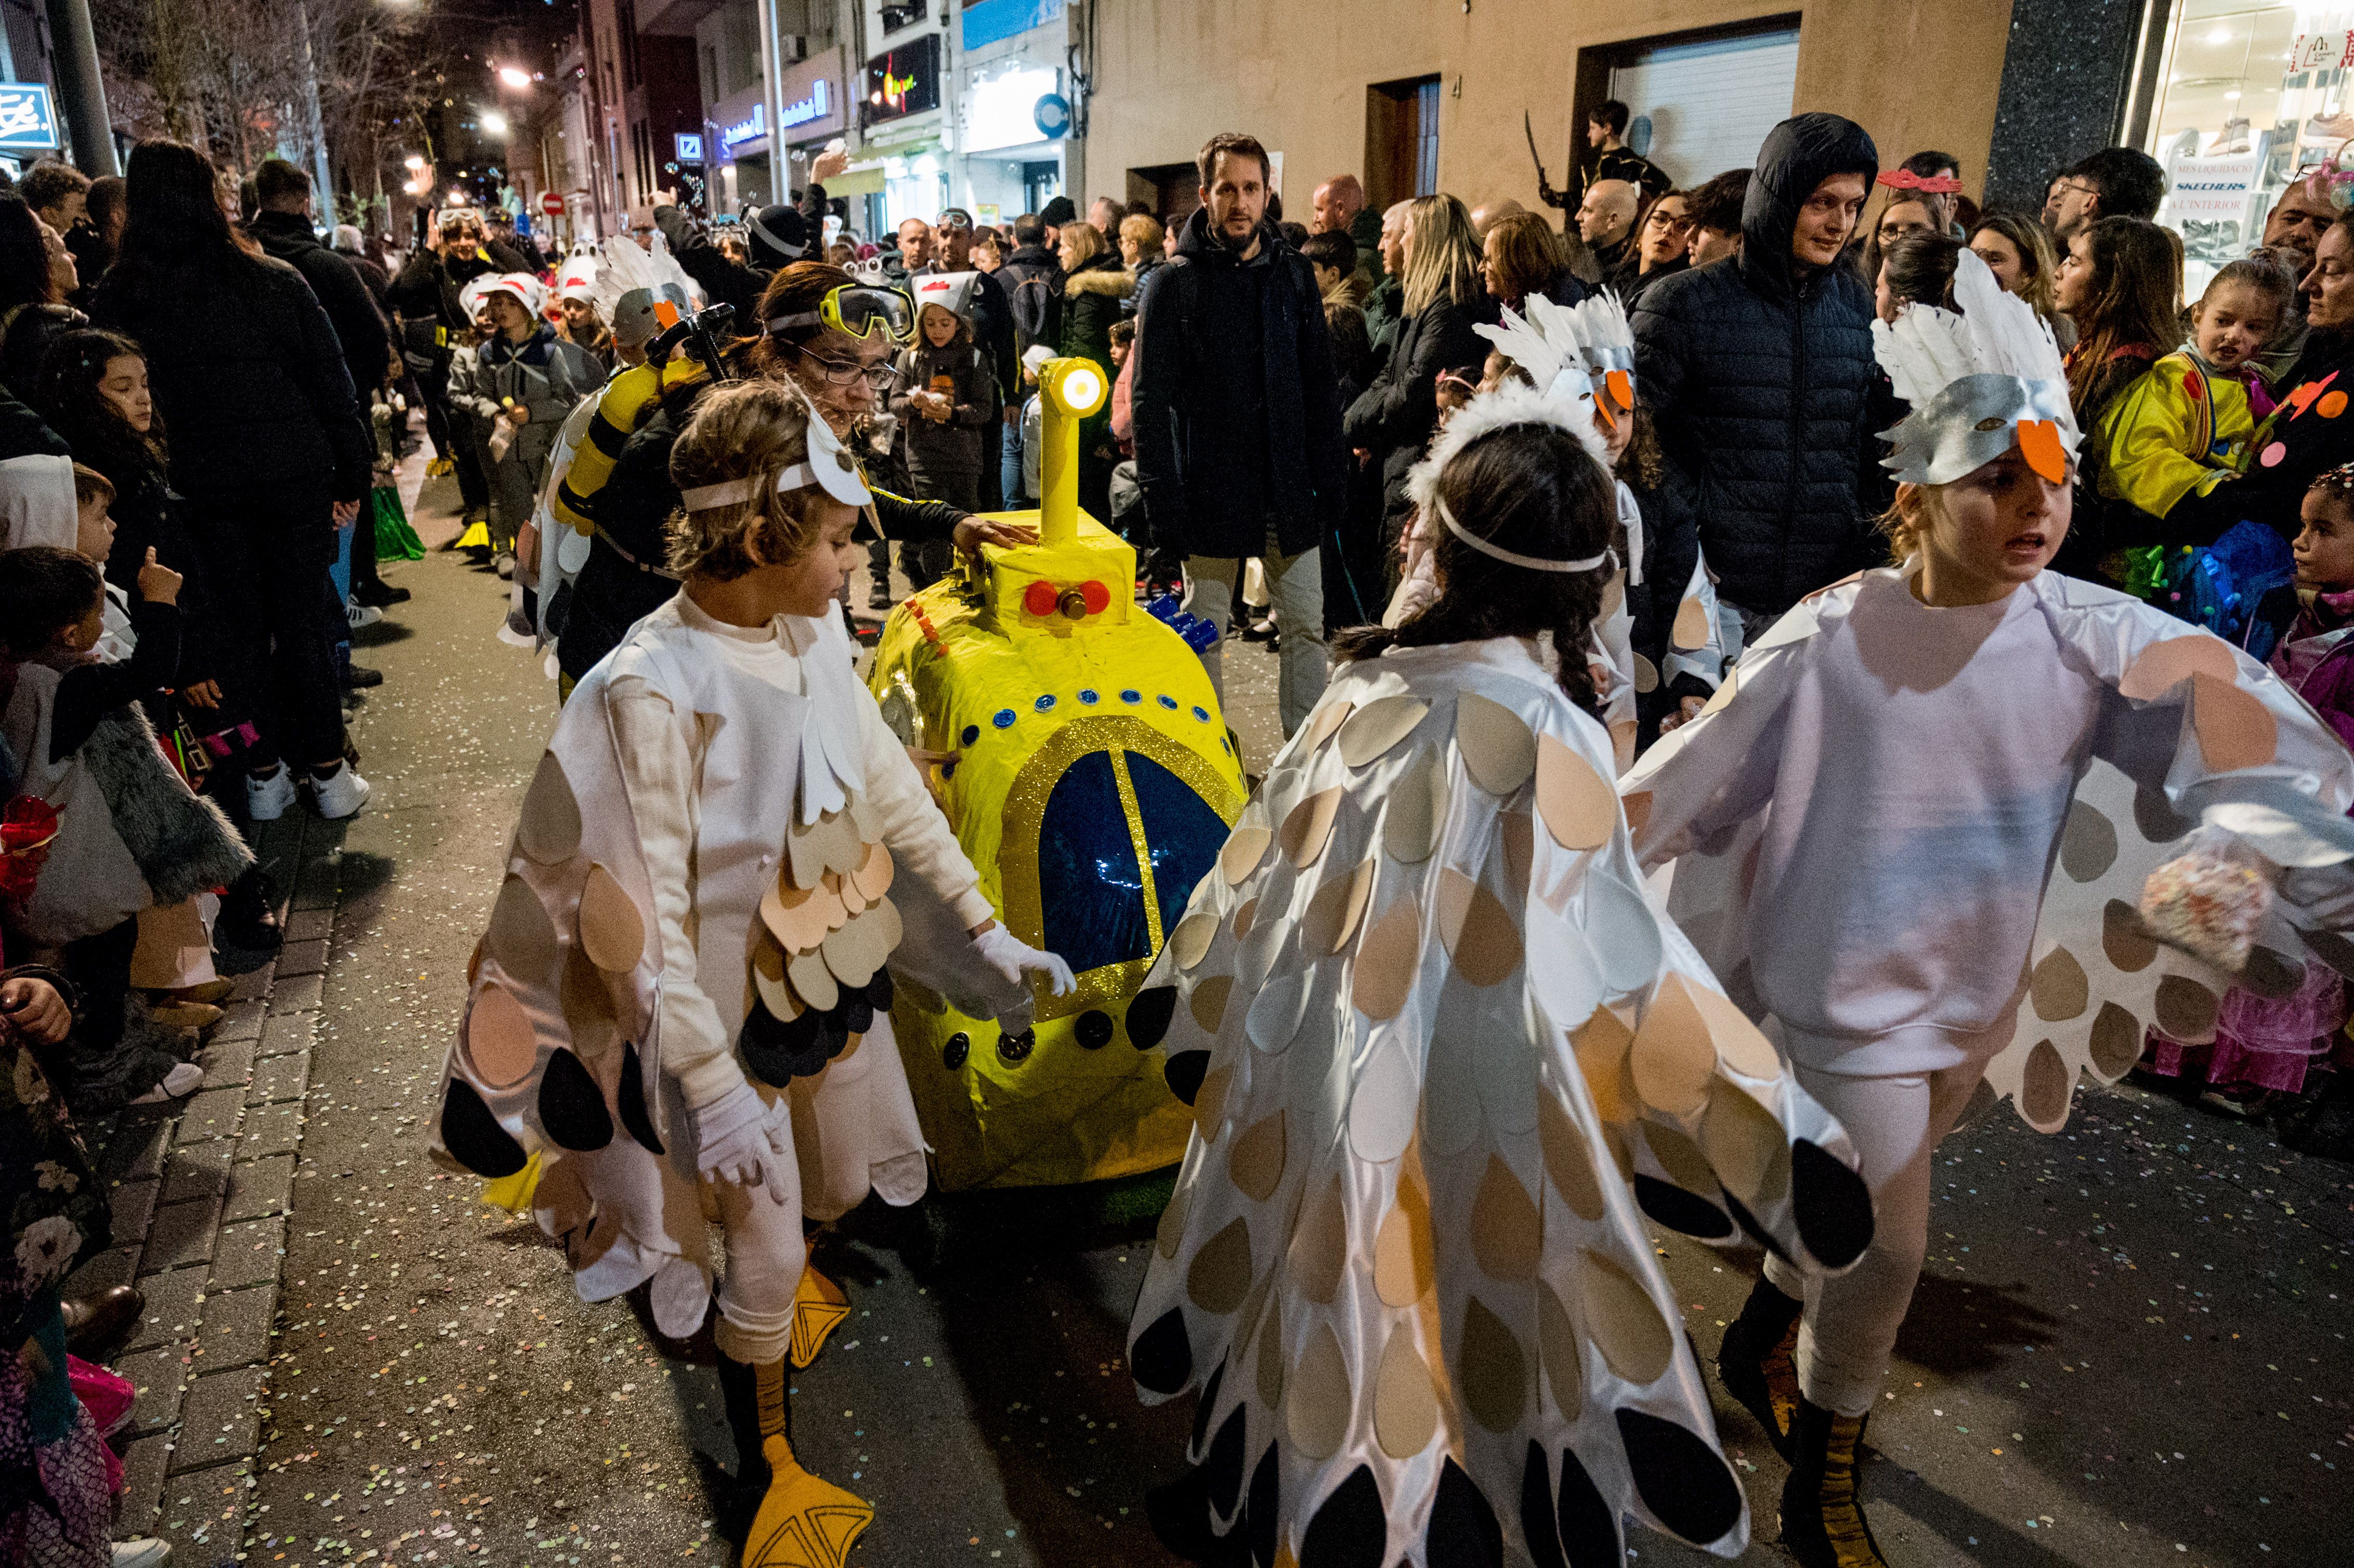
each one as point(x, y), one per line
point(1100, 280)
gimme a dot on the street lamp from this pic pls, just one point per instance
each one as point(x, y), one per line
point(413, 163)
point(514, 76)
point(493, 121)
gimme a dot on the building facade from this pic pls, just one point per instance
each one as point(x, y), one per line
point(642, 94)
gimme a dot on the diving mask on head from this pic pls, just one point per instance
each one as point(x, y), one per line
point(858, 309)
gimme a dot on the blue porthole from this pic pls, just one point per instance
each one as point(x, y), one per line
point(1131, 697)
point(1089, 695)
point(1201, 713)
point(1045, 704)
point(1003, 719)
point(1168, 701)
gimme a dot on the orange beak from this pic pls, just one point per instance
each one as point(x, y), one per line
point(1622, 388)
point(2038, 443)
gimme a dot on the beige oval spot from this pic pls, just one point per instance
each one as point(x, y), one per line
point(769, 983)
point(1495, 1373)
point(812, 981)
point(1308, 825)
point(2126, 940)
point(2186, 1009)
point(1681, 1158)
point(1740, 1043)
point(1637, 808)
point(499, 1038)
point(1331, 918)
point(875, 873)
point(521, 936)
point(1386, 961)
point(1208, 1002)
point(1567, 1159)
point(1558, 1355)
point(1673, 1056)
point(1323, 722)
point(1604, 1044)
point(1316, 1405)
point(1498, 752)
point(793, 916)
point(1517, 834)
point(1378, 725)
point(2044, 1086)
point(1647, 675)
point(1246, 914)
point(1691, 628)
point(1255, 1164)
point(1171, 1230)
point(2162, 665)
point(1406, 1407)
point(2234, 727)
point(1190, 943)
point(1405, 1261)
point(613, 933)
point(2058, 988)
point(1506, 1235)
point(855, 952)
point(1477, 930)
point(1271, 1355)
point(1246, 847)
point(1210, 1101)
point(1624, 1320)
point(2116, 1042)
point(549, 829)
point(1746, 1145)
point(1319, 1247)
point(1220, 1276)
point(1579, 807)
point(1416, 810)
point(2088, 845)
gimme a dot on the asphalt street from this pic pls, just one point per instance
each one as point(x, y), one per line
point(2130, 1348)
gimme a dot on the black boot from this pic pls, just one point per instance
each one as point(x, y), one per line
point(1822, 1503)
point(248, 921)
point(796, 1519)
point(1753, 1362)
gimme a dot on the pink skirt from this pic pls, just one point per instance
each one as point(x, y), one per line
point(2261, 1042)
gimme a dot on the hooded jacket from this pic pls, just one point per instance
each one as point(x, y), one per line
point(343, 293)
point(1761, 381)
point(1396, 415)
point(1091, 303)
point(1223, 445)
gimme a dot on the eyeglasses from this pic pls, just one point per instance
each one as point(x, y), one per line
point(2080, 186)
point(1671, 220)
point(847, 371)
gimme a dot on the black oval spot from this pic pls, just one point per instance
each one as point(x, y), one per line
point(1537, 1527)
point(472, 1134)
point(571, 1106)
point(633, 1100)
point(780, 1050)
point(1463, 1530)
point(1202, 1410)
point(1679, 1210)
point(1262, 1509)
point(858, 1017)
point(1680, 1476)
point(1163, 1358)
point(1223, 1468)
point(1589, 1524)
point(1349, 1529)
point(1179, 1514)
point(958, 1046)
point(1149, 1014)
point(1752, 1229)
point(1094, 1029)
point(880, 991)
point(1185, 1072)
point(1017, 1047)
point(1832, 1204)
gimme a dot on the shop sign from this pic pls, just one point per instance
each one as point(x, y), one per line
point(2321, 51)
point(27, 122)
point(1000, 110)
point(808, 107)
point(690, 147)
point(904, 82)
point(753, 124)
point(2211, 190)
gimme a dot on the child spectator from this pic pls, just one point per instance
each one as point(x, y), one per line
point(525, 379)
point(1034, 359)
point(948, 398)
point(130, 833)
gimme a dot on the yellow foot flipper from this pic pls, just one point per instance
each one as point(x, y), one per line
point(803, 1522)
point(819, 1308)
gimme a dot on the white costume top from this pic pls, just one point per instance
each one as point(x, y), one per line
point(1870, 808)
point(1449, 1061)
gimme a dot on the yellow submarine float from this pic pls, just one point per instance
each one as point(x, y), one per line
point(1094, 785)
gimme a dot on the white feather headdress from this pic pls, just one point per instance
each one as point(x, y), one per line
point(1980, 378)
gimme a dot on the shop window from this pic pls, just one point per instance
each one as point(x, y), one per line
point(1401, 140)
point(2249, 97)
point(901, 14)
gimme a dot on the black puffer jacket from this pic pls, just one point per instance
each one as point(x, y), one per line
point(1394, 418)
point(1761, 381)
point(251, 380)
point(1237, 417)
point(341, 292)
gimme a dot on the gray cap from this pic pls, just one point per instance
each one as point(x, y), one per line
point(634, 322)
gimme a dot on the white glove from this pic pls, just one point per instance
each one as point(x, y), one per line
point(1014, 961)
point(740, 1139)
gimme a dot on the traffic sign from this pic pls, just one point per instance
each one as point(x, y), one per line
point(28, 123)
point(552, 205)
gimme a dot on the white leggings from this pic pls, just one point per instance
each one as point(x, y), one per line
point(1849, 1331)
point(766, 1254)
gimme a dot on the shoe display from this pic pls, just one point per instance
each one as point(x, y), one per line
point(247, 922)
point(266, 798)
point(2243, 1100)
point(211, 991)
point(1822, 1505)
point(356, 615)
point(339, 794)
point(178, 1083)
point(358, 677)
point(380, 594)
point(819, 1308)
point(94, 1323)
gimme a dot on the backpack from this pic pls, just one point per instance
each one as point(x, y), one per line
point(1031, 302)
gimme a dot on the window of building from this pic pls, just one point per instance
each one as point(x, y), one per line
point(898, 14)
point(1698, 104)
point(625, 23)
point(2249, 95)
point(1401, 140)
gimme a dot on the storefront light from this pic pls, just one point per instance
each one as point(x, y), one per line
point(1001, 111)
point(928, 166)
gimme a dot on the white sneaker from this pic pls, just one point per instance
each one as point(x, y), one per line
point(180, 1081)
point(340, 794)
point(266, 799)
point(357, 615)
point(503, 564)
point(145, 1553)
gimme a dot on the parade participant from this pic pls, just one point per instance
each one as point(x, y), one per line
point(691, 939)
point(526, 380)
point(1406, 1265)
point(1885, 909)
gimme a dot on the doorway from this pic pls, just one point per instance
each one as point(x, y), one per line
point(1040, 183)
point(1401, 141)
point(1699, 103)
point(1175, 190)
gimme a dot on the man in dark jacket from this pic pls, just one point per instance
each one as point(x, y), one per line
point(1238, 415)
point(774, 237)
point(430, 324)
point(992, 327)
point(1032, 280)
point(1759, 371)
point(284, 228)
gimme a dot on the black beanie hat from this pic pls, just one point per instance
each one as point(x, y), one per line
point(1058, 212)
point(776, 235)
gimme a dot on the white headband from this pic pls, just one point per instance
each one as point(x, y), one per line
point(1533, 563)
point(711, 497)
